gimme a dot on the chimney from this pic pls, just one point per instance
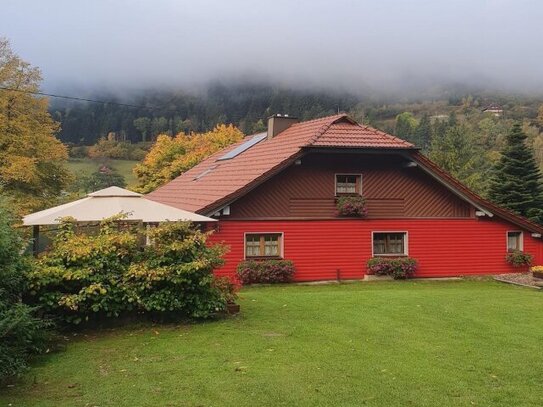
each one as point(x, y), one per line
point(278, 123)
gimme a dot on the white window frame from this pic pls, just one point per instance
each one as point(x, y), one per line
point(281, 245)
point(405, 243)
point(348, 174)
point(521, 241)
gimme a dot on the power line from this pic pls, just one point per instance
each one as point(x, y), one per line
point(75, 98)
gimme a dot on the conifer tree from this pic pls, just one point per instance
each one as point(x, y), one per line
point(423, 133)
point(516, 183)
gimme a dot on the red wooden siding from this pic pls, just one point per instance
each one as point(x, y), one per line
point(392, 190)
point(443, 247)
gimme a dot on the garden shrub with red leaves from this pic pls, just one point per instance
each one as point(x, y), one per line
point(265, 271)
point(399, 268)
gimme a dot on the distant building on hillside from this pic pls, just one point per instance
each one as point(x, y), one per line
point(494, 109)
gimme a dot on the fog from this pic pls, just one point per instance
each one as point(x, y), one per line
point(385, 45)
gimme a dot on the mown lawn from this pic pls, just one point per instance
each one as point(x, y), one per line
point(378, 344)
point(86, 166)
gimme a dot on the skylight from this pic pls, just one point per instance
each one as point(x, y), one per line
point(257, 138)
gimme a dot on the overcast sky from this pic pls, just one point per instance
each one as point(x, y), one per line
point(382, 43)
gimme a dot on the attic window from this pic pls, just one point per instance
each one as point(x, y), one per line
point(203, 174)
point(348, 184)
point(245, 146)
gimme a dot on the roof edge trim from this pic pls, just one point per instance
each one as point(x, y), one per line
point(483, 204)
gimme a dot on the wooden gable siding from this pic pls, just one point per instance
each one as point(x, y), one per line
point(391, 190)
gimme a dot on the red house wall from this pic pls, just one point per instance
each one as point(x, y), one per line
point(322, 248)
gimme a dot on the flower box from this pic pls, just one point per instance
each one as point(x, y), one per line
point(518, 258)
point(353, 206)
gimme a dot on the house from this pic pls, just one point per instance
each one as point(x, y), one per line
point(274, 195)
point(493, 109)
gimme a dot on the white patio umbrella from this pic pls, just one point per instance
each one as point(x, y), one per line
point(106, 203)
point(111, 201)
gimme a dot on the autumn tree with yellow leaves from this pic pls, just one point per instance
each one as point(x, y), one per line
point(171, 156)
point(32, 171)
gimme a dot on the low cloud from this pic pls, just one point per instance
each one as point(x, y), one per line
point(388, 46)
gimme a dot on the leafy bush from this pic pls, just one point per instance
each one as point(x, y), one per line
point(536, 269)
point(265, 271)
point(518, 258)
point(100, 180)
point(21, 332)
point(399, 268)
point(227, 289)
point(352, 206)
point(78, 151)
point(120, 150)
point(87, 277)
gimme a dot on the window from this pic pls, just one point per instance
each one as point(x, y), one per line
point(263, 245)
point(389, 244)
point(348, 184)
point(514, 241)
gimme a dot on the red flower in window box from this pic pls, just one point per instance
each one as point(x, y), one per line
point(352, 206)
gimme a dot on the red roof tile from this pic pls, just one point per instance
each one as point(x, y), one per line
point(215, 182)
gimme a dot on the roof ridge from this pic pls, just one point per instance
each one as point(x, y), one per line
point(324, 128)
point(320, 119)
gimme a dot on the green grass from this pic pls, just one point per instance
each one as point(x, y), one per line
point(376, 344)
point(86, 166)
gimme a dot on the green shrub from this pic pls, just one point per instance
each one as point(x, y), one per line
point(120, 150)
point(265, 271)
point(227, 288)
point(99, 180)
point(399, 268)
point(78, 151)
point(22, 334)
point(87, 277)
point(519, 258)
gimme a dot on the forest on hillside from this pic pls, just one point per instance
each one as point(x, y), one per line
point(248, 105)
point(456, 130)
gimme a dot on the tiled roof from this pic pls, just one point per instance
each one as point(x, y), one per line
point(216, 182)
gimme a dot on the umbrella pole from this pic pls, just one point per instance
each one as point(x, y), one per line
point(36, 239)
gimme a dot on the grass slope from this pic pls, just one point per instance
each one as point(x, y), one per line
point(375, 344)
point(86, 166)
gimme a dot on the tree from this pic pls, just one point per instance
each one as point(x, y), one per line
point(21, 333)
point(405, 126)
point(159, 125)
point(540, 117)
point(457, 153)
point(171, 156)
point(423, 133)
point(101, 179)
point(143, 125)
point(32, 169)
point(516, 183)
